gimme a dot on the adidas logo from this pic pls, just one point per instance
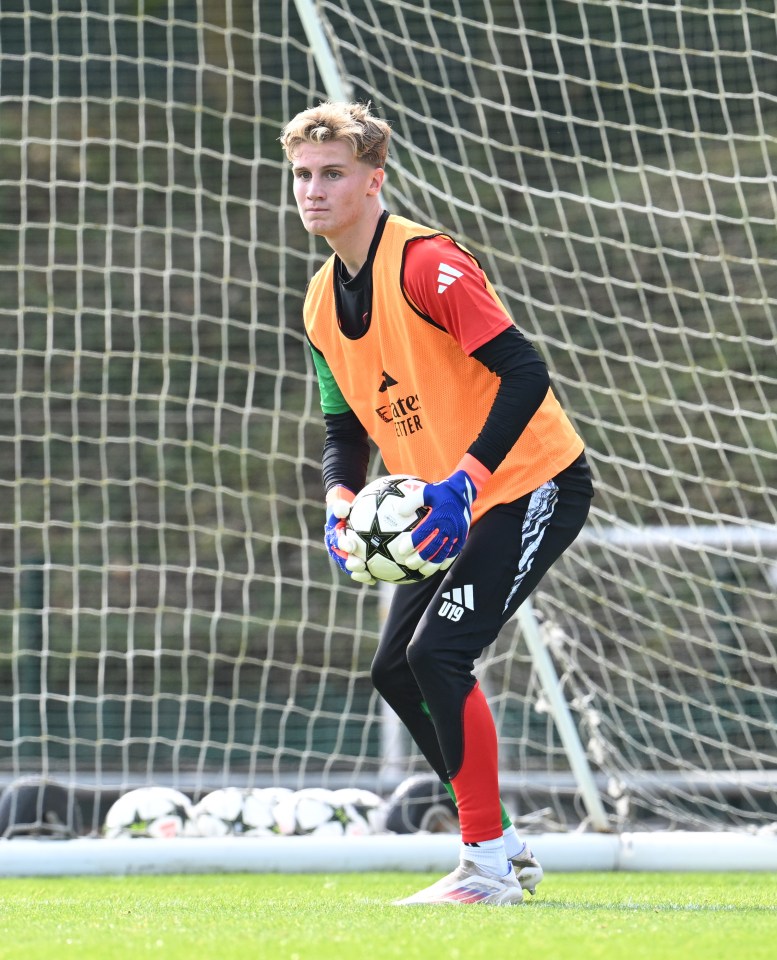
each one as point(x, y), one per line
point(456, 601)
point(446, 276)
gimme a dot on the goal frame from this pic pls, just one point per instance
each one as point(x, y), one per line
point(172, 614)
point(637, 852)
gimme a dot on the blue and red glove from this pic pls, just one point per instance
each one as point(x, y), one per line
point(438, 539)
point(338, 506)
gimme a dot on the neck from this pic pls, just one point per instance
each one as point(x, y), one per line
point(354, 247)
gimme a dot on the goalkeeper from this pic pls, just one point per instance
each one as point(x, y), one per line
point(414, 349)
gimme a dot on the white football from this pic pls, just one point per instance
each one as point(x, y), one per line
point(316, 811)
point(160, 812)
point(232, 811)
point(365, 808)
point(375, 523)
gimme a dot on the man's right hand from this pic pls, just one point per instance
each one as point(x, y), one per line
point(338, 543)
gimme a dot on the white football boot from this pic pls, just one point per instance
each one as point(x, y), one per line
point(469, 884)
point(527, 869)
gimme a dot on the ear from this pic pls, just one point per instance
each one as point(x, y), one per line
point(376, 182)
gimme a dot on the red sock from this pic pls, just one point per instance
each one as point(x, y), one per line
point(476, 785)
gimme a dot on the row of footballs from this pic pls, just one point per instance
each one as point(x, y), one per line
point(163, 812)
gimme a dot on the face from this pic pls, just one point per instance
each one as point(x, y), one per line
point(334, 191)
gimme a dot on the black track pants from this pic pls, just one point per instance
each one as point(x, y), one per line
point(436, 629)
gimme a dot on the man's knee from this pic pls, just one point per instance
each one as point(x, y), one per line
point(389, 673)
point(421, 658)
point(379, 672)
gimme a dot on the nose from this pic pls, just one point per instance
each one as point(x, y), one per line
point(315, 187)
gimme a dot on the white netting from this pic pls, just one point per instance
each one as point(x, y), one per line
point(168, 608)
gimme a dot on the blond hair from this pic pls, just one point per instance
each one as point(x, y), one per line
point(351, 123)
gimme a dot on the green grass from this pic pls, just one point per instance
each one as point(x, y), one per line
point(350, 917)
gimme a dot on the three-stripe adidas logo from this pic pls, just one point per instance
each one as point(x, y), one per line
point(456, 601)
point(446, 275)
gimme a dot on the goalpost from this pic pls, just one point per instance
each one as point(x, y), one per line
point(167, 609)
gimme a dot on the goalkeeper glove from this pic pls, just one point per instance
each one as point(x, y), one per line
point(338, 543)
point(439, 537)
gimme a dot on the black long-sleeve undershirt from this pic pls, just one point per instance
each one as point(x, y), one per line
point(346, 453)
point(524, 383)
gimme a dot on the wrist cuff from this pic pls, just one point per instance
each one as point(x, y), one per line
point(339, 493)
point(478, 473)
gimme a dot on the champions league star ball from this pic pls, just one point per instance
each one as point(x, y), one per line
point(363, 805)
point(316, 811)
point(239, 813)
point(159, 812)
point(375, 523)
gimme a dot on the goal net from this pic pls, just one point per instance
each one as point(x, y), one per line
point(167, 611)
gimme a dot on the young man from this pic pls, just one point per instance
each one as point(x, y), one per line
point(414, 349)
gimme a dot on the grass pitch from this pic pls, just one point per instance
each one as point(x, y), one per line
point(351, 917)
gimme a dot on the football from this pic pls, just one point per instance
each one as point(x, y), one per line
point(375, 523)
point(232, 811)
point(316, 811)
point(363, 805)
point(160, 812)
